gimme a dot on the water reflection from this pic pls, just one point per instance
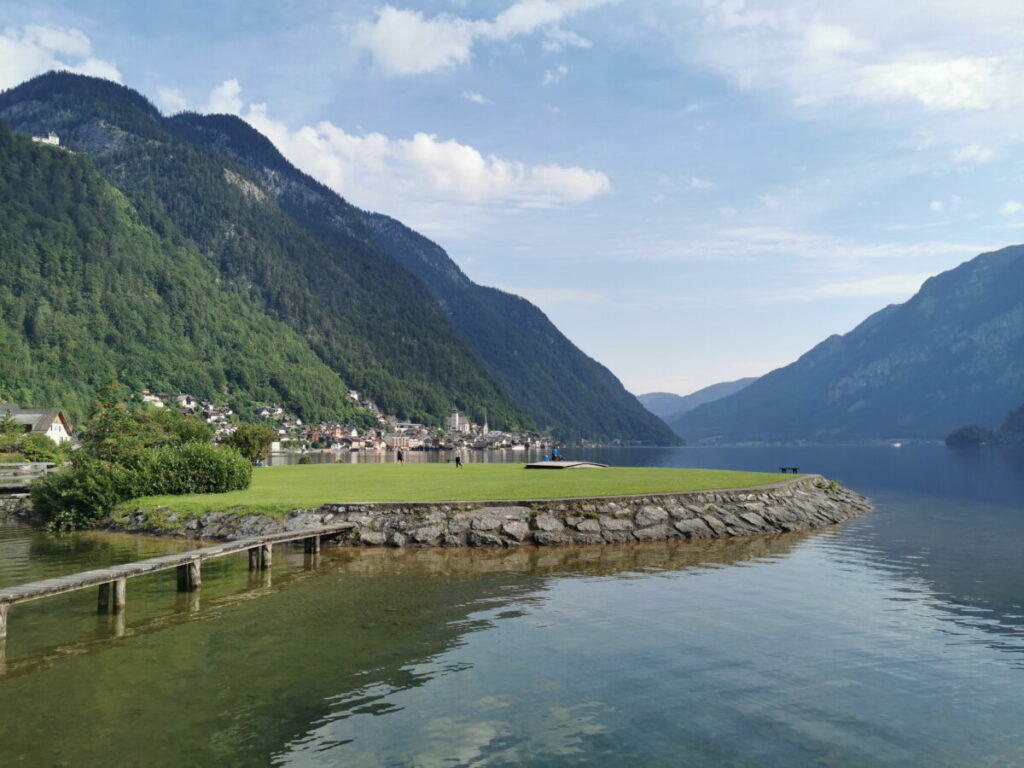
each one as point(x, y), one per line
point(895, 639)
point(319, 643)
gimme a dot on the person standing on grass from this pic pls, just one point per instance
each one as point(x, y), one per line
point(458, 458)
point(400, 457)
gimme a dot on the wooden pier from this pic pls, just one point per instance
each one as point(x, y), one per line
point(112, 582)
point(16, 477)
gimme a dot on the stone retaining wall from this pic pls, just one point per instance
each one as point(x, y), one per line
point(16, 507)
point(793, 505)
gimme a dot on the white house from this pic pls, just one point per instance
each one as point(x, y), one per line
point(40, 421)
point(52, 139)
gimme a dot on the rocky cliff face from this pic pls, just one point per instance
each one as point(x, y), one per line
point(953, 354)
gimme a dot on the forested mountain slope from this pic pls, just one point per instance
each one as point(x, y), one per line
point(562, 389)
point(367, 318)
point(364, 301)
point(88, 292)
point(951, 355)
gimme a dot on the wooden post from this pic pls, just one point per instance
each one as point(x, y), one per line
point(119, 624)
point(195, 575)
point(120, 590)
point(3, 621)
point(254, 559)
point(312, 545)
point(103, 601)
point(190, 576)
point(266, 556)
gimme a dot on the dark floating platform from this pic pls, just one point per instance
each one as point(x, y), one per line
point(565, 465)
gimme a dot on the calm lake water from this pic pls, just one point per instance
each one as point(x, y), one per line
point(896, 639)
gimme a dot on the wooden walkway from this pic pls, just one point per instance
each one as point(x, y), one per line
point(16, 477)
point(113, 581)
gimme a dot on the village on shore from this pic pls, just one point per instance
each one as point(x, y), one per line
point(391, 433)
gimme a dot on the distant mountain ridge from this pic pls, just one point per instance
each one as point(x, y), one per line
point(534, 361)
point(951, 355)
point(666, 405)
point(304, 257)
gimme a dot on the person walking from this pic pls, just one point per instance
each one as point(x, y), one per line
point(458, 458)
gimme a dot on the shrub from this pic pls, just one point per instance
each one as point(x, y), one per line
point(36, 447)
point(252, 441)
point(193, 468)
point(81, 494)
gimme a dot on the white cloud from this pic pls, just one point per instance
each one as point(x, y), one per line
point(225, 99)
point(405, 42)
point(770, 201)
point(935, 206)
point(557, 40)
point(833, 40)
point(699, 183)
point(556, 75)
point(476, 98)
point(418, 176)
point(972, 154)
point(937, 84)
point(172, 100)
point(33, 50)
point(1009, 208)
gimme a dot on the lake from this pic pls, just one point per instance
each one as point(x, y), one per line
point(895, 639)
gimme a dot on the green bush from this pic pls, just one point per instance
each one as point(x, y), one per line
point(35, 447)
point(81, 494)
point(193, 468)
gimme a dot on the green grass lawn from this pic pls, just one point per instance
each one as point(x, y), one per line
point(277, 490)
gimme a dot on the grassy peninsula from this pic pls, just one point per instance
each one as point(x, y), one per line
point(276, 491)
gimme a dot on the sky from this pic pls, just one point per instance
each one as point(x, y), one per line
point(692, 190)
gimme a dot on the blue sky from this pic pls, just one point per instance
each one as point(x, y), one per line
point(693, 191)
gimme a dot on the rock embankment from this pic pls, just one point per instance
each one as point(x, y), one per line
point(798, 504)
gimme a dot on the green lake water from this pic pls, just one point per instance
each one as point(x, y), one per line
point(896, 639)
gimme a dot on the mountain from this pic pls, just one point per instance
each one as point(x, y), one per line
point(562, 388)
point(666, 405)
point(88, 293)
point(306, 259)
point(951, 355)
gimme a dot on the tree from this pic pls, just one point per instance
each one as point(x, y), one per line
point(968, 435)
point(110, 433)
point(252, 441)
point(11, 433)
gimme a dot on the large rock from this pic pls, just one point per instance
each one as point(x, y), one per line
point(650, 515)
point(550, 538)
point(547, 523)
point(515, 529)
point(694, 528)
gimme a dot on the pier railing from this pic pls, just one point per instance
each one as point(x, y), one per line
point(16, 477)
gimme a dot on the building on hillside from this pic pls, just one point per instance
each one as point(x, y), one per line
point(457, 422)
point(157, 401)
point(40, 421)
point(53, 139)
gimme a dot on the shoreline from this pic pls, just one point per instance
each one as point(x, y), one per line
point(796, 504)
